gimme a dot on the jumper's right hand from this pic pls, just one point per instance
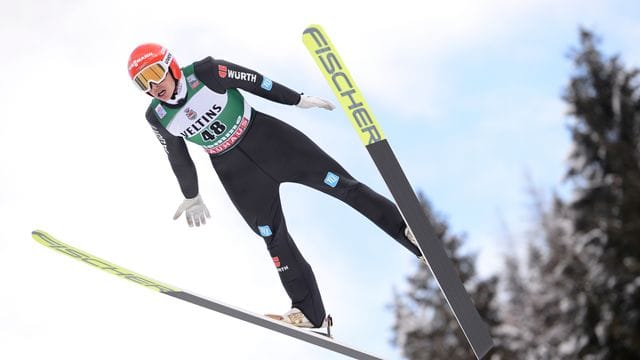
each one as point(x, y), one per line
point(307, 102)
point(195, 211)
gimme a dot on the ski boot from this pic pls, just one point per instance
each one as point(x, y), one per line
point(409, 235)
point(296, 318)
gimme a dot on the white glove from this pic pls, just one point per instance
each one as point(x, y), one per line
point(195, 211)
point(307, 101)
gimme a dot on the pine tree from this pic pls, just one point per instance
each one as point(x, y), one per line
point(605, 168)
point(579, 297)
point(543, 300)
point(424, 327)
point(577, 294)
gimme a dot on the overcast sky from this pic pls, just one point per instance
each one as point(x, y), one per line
point(467, 92)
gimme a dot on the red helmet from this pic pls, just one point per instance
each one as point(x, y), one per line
point(150, 63)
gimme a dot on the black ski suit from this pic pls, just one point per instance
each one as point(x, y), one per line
point(266, 154)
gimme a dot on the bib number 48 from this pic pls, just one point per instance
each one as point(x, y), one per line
point(215, 129)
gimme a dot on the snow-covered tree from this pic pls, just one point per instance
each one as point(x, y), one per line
point(576, 295)
point(605, 168)
point(579, 295)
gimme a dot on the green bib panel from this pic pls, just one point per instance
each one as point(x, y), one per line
point(214, 121)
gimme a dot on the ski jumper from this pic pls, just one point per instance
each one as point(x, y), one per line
point(252, 154)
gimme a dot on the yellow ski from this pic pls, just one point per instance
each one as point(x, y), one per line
point(260, 320)
point(353, 103)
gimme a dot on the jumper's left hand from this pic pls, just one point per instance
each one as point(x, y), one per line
point(307, 101)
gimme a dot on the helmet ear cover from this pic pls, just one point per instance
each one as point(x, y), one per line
point(175, 70)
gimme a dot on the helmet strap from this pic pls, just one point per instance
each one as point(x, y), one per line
point(180, 91)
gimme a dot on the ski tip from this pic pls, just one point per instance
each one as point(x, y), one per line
point(312, 28)
point(37, 235)
point(44, 238)
point(49, 241)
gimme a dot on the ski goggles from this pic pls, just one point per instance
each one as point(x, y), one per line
point(153, 73)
